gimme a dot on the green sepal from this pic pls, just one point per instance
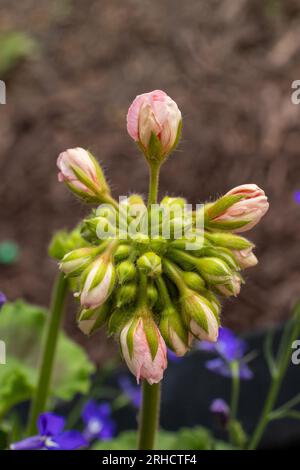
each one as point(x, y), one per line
point(151, 334)
point(226, 226)
point(130, 335)
point(220, 206)
point(154, 149)
point(118, 320)
point(229, 240)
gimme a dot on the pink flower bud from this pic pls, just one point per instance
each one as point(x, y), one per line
point(246, 258)
point(231, 287)
point(98, 283)
point(251, 208)
point(82, 173)
point(154, 113)
point(145, 354)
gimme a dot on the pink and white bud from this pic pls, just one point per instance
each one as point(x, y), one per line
point(98, 283)
point(246, 258)
point(200, 316)
point(251, 208)
point(138, 351)
point(232, 286)
point(82, 173)
point(154, 113)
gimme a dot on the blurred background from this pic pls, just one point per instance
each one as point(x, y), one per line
point(72, 68)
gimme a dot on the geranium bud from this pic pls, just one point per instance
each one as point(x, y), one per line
point(150, 264)
point(173, 331)
point(76, 261)
point(213, 270)
point(246, 258)
point(173, 203)
point(98, 282)
point(82, 174)
point(239, 210)
point(122, 252)
point(200, 316)
point(231, 287)
point(193, 280)
point(228, 240)
point(126, 294)
point(126, 271)
point(144, 349)
point(154, 122)
point(90, 320)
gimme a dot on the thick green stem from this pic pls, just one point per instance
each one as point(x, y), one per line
point(154, 169)
point(276, 382)
point(149, 416)
point(149, 413)
point(39, 401)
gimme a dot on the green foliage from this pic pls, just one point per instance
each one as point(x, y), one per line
point(14, 46)
point(197, 438)
point(9, 252)
point(21, 327)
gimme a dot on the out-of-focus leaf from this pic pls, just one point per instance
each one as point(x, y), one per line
point(22, 327)
point(14, 46)
point(197, 438)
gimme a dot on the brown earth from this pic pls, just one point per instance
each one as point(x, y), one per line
point(229, 64)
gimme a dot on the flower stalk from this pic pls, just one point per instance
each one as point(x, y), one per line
point(39, 401)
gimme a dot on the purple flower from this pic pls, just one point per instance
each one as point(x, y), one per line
point(297, 197)
point(231, 349)
point(3, 299)
point(98, 421)
point(220, 410)
point(132, 391)
point(51, 436)
point(173, 357)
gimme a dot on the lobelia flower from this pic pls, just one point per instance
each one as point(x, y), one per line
point(98, 282)
point(243, 214)
point(221, 411)
point(51, 436)
point(98, 421)
point(133, 392)
point(3, 299)
point(82, 174)
point(231, 349)
point(154, 121)
point(144, 349)
point(297, 197)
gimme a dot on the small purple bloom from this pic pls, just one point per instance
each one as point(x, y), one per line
point(173, 357)
point(98, 421)
point(221, 411)
point(297, 197)
point(132, 391)
point(230, 348)
point(3, 299)
point(51, 436)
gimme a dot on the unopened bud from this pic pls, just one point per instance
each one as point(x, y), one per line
point(193, 280)
point(98, 282)
point(126, 294)
point(126, 271)
point(144, 349)
point(228, 240)
point(239, 210)
point(154, 122)
point(200, 316)
point(213, 270)
point(231, 287)
point(82, 174)
point(76, 261)
point(122, 252)
point(173, 331)
point(150, 264)
point(246, 258)
point(90, 320)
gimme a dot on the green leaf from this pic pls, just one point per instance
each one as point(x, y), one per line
point(21, 328)
point(14, 47)
point(198, 438)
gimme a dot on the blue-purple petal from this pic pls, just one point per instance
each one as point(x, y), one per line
point(90, 411)
point(50, 424)
point(219, 366)
point(219, 406)
point(245, 372)
point(3, 299)
point(30, 443)
point(68, 440)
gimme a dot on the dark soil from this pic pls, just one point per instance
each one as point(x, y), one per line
point(229, 64)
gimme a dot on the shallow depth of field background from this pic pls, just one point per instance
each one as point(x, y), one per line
point(229, 64)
